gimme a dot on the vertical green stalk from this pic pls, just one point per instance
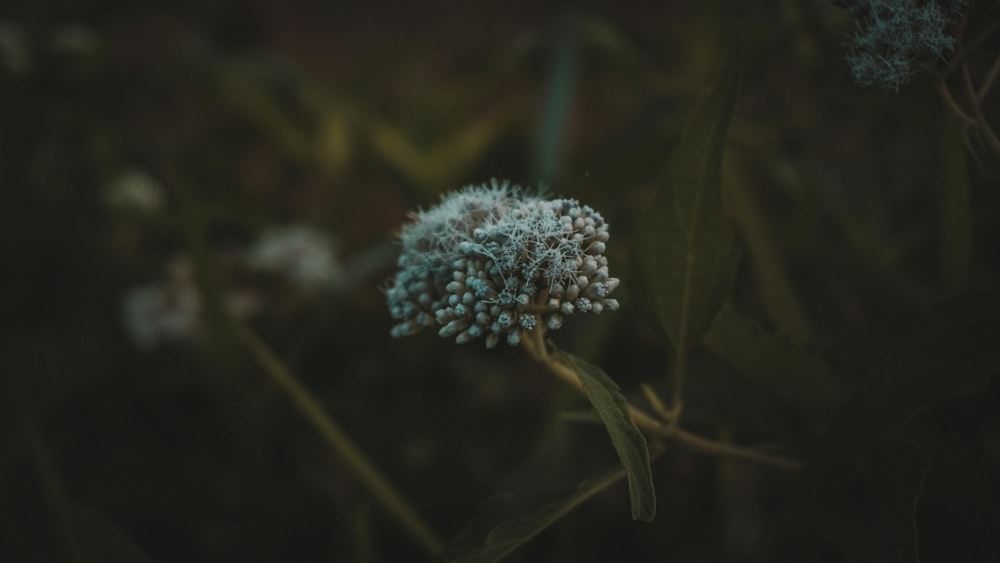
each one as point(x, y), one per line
point(558, 100)
point(55, 497)
point(956, 247)
point(677, 396)
point(341, 444)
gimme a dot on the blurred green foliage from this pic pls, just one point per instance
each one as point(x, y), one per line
point(860, 336)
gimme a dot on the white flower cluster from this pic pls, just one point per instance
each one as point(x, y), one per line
point(304, 254)
point(170, 310)
point(493, 261)
point(163, 312)
point(135, 191)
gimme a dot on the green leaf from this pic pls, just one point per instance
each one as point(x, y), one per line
point(507, 521)
point(796, 377)
point(951, 353)
point(685, 244)
point(626, 437)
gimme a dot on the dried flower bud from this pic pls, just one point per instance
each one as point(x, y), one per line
point(495, 261)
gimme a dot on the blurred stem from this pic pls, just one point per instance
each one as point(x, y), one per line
point(777, 290)
point(656, 402)
point(341, 444)
point(977, 109)
point(51, 486)
point(677, 397)
point(956, 236)
point(949, 101)
point(656, 430)
point(987, 84)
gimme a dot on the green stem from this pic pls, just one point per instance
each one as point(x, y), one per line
point(981, 122)
point(949, 101)
point(54, 495)
point(987, 83)
point(677, 399)
point(654, 428)
point(341, 444)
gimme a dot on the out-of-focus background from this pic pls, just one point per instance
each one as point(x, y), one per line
point(166, 167)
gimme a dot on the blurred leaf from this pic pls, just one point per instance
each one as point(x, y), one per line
point(558, 101)
point(798, 378)
point(438, 167)
point(720, 396)
point(686, 247)
point(506, 521)
point(956, 211)
point(104, 541)
point(628, 441)
point(778, 292)
point(951, 353)
point(250, 88)
point(897, 472)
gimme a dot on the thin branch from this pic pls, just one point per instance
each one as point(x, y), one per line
point(965, 49)
point(991, 75)
point(981, 122)
point(535, 346)
point(949, 101)
point(341, 444)
point(722, 449)
point(51, 485)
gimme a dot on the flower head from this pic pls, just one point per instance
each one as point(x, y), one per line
point(493, 261)
point(892, 34)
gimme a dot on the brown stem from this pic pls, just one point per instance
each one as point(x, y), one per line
point(991, 75)
point(949, 101)
point(981, 123)
point(653, 427)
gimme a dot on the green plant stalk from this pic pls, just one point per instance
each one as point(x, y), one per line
point(54, 495)
point(341, 444)
point(677, 398)
point(981, 122)
point(657, 431)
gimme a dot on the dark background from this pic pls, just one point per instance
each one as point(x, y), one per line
point(251, 116)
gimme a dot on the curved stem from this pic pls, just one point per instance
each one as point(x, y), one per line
point(981, 122)
point(52, 487)
point(723, 449)
point(991, 75)
point(341, 444)
point(653, 427)
point(949, 101)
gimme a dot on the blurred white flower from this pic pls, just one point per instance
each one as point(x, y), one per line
point(135, 191)
point(170, 310)
point(159, 313)
point(303, 254)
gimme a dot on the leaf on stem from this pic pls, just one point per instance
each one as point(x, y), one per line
point(626, 437)
point(686, 247)
point(506, 521)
